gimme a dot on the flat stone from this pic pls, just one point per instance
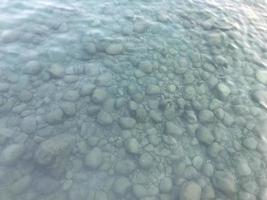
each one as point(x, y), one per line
point(146, 66)
point(242, 168)
point(105, 79)
point(222, 91)
point(104, 118)
point(140, 26)
point(56, 71)
point(127, 122)
point(114, 49)
point(71, 95)
point(21, 185)
point(99, 95)
point(32, 67)
point(11, 154)
point(9, 36)
point(125, 167)
point(145, 160)
point(90, 48)
point(87, 89)
point(204, 135)
point(121, 185)
point(172, 129)
point(68, 108)
point(260, 96)
point(153, 90)
point(94, 158)
point(4, 87)
point(250, 143)
point(165, 185)
point(190, 191)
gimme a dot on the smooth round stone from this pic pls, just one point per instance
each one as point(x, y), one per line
point(204, 135)
point(125, 167)
point(222, 91)
point(190, 191)
point(87, 89)
point(156, 116)
point(90, 48)
point(68, 108)
point(172, 88)
point(4, 87)
point(132, 145)
point(139, 191)
point(140, 26)
point(28, 124)
point(208, 169)
point(172, 129)
point(5, 134)
point(21, 185)
point(261, 76)
point(145, 160)
point(189, 93)
point(25, 96)
point(250, 143)
point(32, 67)
point(99, 95)
point(146, 66)
point(243, 168)
point(9, 36)
point(71, 95)
point(153, 90)
point(55, 116)
point(121, 185)
point(214, 149)
point(188, 78)
point(127, 122)
point(206, 116)
point(105, 79)
point(94, 158)
point(114, 49)
point(225, 182)
point(93, 109)
point(197, 162)
point(11, 153)
point(165, 185)
point(104, 118)
point(98, 195)
point(56, 71)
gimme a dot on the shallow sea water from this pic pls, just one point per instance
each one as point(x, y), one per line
point(133, 100)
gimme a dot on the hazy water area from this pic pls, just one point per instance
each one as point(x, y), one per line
point(133, 100)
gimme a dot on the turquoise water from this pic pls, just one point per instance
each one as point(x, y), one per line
point(133, 100)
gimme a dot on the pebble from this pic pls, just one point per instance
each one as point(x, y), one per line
point(125, 167)
point(225, 182)
point(127, 122)
point(165, 185)
point(190, 191)
point(114, 49)
point(105, 79)
point(99, 95)
point(71, 95)
point(172, 129)
point(153, 90)
point(145, 160)
point(4, 87)
point(9, 36)
point(94, 158)
point(21, 185)
point(261, 76)
point(146, 66)
point(11, 154)
point(90, 48)
point(140, 26)
point(32, 67)
point(250, 143)
point(121, 185)
point(206, 116)
point(68, 108)
point(87, 89)
point(28, 124)
point(197, 162)
point(98, 195)
point(25, 96)
point(139, 191)
point(54, 116)
point(104, 118)
point(222, 91)
point(204, 135)
point(56, 71)
point(243, 168)
point(132, 146)
point(208, 169)
point(5, 134)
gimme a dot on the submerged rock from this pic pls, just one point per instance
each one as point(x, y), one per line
point(190, 191)
point(32, 67)
point(11, 154)
point(132, 145)
point(260, 96)
point(261, 76)
point(225, 182)
point(121, 185)
point(55, 116)
point(94, 158)
point(204, 135)
point(104, 118)
point(127, 122)
point(114, 49)
point(165, 185)
point(56, 71)
point(222, 91)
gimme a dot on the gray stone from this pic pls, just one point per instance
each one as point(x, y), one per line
point(71, 95)
point(87, 89)
point(127, 122)
point(121, 185)
point(9, 36)
point(139, 191)
point(153, 90)
point(4, 87)
point(105, 79)
point(132, 145)
point(125, 167)
point(165, 185)
point(28, 124)
point(222, 91)
point(140, 26)
point(145, 160)
point(208, 169)
point(190, 191)
point(104, 118)
point(25, 96)
point(94, 158)
point(173, 129)
point(114, 49)
point(190, 116)
point(99, 95)
point(225, 182)
point(11, 154)
point(206, 116)
point(90, 48)
point(197, 162)
point(98, 195)
point(261, 76)
point(32, 67)
point(146, 66)
point(5, 134)
point(54, 116)
point(242, 168)
point(204, 135)
point(68, 108)
point(21, 185)
point(56, 71)
point(250, 143)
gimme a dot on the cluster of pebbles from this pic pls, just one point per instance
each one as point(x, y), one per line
point(134, 101)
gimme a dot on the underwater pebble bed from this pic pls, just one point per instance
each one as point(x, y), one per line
point(133, 100)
